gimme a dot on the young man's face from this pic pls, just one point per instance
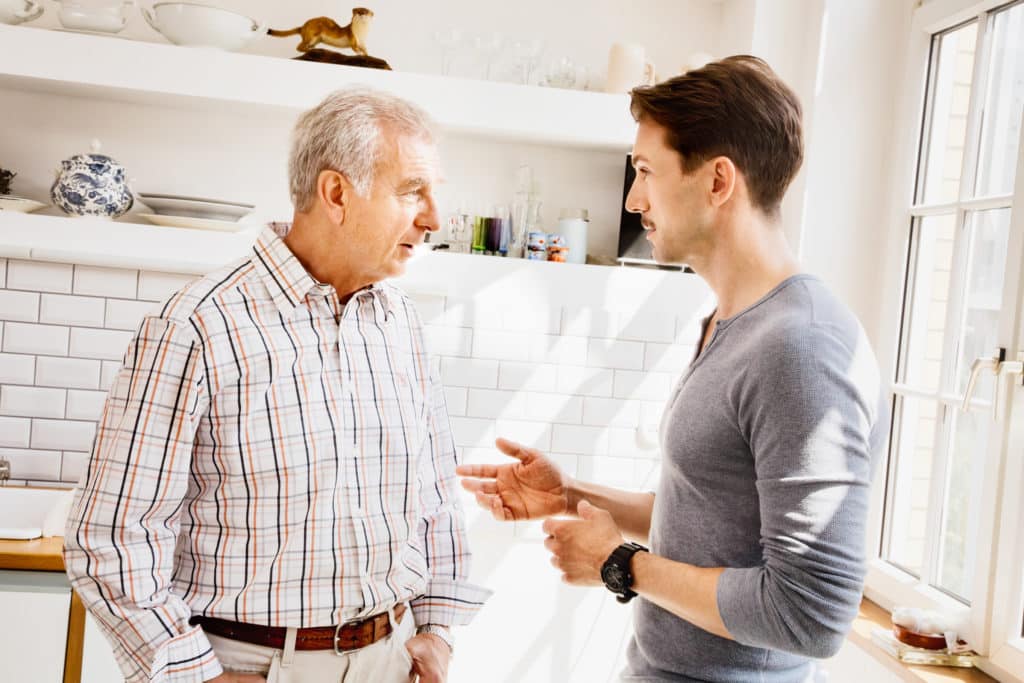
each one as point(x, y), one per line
point(673, 205)
point(400, 208)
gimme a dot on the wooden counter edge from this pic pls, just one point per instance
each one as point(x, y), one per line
point(42, 554)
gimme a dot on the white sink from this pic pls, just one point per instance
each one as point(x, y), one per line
point(27, 513)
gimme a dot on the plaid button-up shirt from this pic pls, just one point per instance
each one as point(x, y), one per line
point(268, 455)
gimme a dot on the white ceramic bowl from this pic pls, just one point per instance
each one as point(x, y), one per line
point(188, 23)
point(17, 11)
point(93, 16)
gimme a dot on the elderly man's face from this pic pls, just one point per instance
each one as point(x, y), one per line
point(400, 208)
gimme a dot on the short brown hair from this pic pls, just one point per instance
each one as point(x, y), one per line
point(737, 107)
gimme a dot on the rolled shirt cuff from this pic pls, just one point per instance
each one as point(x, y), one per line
point(449, 603)
point(187, 658)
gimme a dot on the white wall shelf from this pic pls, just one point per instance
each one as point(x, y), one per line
point(123, 244)
point(118, 244)
point(112, 68)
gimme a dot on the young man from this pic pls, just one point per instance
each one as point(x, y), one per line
point(271, 495)
point(756, 531)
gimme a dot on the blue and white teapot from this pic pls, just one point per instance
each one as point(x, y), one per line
point(92, 185)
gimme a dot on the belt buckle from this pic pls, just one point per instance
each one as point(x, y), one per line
point(338, 651)
point(337, 631)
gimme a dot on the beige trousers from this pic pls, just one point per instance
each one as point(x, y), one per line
point(386, 661)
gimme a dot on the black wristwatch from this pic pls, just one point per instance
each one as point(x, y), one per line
point(616, 574)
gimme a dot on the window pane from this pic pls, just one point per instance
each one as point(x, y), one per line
point(989, 235)
point(1005, 102)
point(960, 512)
point(926, 323)
point(914, 440)
point(951, 92)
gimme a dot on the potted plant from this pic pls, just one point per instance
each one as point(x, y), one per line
point(9, 202)
point(5, 181)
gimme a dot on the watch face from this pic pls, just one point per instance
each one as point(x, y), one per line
point(613, 578)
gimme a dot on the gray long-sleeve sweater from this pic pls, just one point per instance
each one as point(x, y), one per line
point(768, 442)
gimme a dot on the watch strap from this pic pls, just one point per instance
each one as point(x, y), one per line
point(622, 558)
point(442, 632)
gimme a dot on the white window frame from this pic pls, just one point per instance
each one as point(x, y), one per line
point(998, 605)
point(1006, 649)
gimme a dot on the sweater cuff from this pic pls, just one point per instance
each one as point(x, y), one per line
point(735, 588)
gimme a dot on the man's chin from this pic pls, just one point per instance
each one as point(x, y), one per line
point(657, 257)
point(662, 260)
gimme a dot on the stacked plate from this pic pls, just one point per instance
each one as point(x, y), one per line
point(175, 211)
point(9, 202)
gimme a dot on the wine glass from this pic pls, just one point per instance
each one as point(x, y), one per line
point(449, 40)
point(487, 46)
point(560, 73)
point(526, 53)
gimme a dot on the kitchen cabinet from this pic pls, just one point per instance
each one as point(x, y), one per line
point(98, 663)
point(34, 629)
point(45, 634)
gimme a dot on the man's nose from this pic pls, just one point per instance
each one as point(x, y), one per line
point(635, 202)
point(429, 219)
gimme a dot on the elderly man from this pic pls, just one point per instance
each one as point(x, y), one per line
point(271, 494)
point(756, 532)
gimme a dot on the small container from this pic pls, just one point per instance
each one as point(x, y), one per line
point(479, 235)
point(92, 185)
point(537, 240)
point(573, 224)
point(558, 254)
point(556, 240)
point(460, 231)
point(506, 236)
point(492, 234)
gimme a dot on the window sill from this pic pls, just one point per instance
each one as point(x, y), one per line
point(872, 616)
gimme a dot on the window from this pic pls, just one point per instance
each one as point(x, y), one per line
point(953, 504)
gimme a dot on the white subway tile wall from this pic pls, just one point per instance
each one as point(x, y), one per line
point(99, 281)
point(38, 276)
point(20, 306)
point(584, 384)
point(14, 432)
point(71, 310)
point(70, 373)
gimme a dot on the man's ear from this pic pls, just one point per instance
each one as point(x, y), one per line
point(334, 192)
point(723, 178)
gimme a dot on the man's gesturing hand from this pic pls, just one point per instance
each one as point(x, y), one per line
point(532, 488)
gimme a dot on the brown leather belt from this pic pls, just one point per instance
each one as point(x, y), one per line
point(342, 638)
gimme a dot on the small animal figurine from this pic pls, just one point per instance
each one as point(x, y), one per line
point(326, 30)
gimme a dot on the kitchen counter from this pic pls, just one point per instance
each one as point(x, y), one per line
point(41, 554)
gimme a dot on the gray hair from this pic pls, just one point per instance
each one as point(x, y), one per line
point(342, 133)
